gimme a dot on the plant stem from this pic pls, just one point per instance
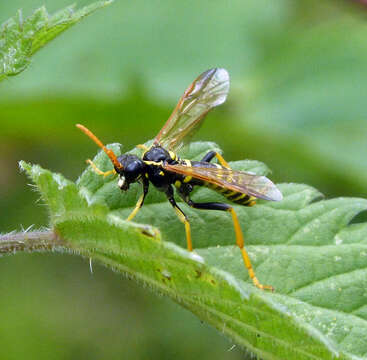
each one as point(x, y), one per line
point(30, 242)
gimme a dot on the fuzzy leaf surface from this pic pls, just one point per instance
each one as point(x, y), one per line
point(21, 38)
point(303, 246)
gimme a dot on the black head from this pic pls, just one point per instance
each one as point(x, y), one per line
point(133, 169)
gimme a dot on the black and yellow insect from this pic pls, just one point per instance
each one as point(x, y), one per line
point(161, 166)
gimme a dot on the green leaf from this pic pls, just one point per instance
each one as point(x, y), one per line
point(20, 39)
point(303, 246)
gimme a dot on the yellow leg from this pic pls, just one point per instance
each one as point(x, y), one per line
point(98, 171)
point(137, 207)
point(142, 146)
point(183, 219)
point(222, 161)
point(246, 259)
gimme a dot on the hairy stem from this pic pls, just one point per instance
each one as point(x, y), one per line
point(30, 242)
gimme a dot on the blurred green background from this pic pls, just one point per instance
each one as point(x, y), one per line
point(297, 103)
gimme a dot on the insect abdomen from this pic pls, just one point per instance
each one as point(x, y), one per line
point(234, 196)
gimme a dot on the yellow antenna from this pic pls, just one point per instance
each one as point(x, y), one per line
point(108, 152)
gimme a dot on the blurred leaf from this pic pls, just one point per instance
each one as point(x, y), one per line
point(149, 43)
point(306, 98)
point(20, 39)
point(305, 248)
point(298, 79)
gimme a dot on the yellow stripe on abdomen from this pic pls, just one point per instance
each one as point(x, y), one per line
point(235, 196)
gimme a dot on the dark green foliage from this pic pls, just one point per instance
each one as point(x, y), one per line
point(302, 246)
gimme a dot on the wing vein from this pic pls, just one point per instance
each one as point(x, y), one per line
point(207, 91)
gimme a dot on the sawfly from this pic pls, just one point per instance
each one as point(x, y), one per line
point(161, 166)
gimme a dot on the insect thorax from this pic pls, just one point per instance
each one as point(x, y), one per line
point(158, 154)
point(154, 159)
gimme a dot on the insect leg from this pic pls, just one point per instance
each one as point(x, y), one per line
point(98, 171)
point(211, 154)
point(181, 215)
point(140, 202)
point(239, 236)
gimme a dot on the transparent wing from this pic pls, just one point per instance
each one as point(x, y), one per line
point(242, 182)
point(208, 90)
